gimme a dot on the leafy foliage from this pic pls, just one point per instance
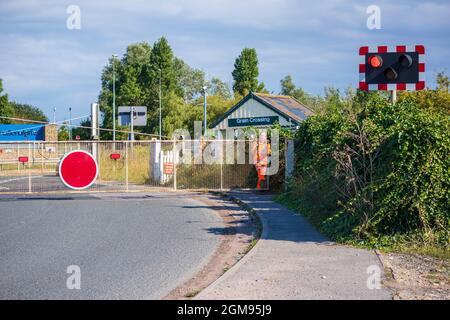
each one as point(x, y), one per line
point(138, 75)
point(376, 173)
point(5, 108)
point(83, 133)
point(26, 111)
point(246, 72)
point(18, 110)
point(182, 115)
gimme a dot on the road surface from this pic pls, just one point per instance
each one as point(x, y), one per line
point(128, 246)
point(47, 183)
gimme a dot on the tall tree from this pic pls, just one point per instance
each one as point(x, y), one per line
point(105, 98)
point(138, 55)
point(219, 88)
point(161, 71)
point(287, 86)
point(137, 76)
point(162, 64)
point(5, 108)
point(131, 93)
point(245, 73)
point(190, 81)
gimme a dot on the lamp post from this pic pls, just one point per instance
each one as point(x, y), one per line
point(204, 110)
point(132, 123)
point(114, 56)
point(160, 105)
point(70, 123)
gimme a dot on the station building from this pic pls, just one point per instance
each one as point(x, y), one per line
point(261, 110)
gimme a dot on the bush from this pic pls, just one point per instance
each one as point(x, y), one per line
point(375, 173)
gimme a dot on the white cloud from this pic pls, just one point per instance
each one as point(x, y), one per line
point(43, 62)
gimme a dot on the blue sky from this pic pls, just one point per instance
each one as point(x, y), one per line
point(45, 64)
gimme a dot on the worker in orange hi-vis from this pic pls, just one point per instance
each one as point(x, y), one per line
point(262, 152)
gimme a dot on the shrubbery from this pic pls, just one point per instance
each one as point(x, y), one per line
point(375, 173)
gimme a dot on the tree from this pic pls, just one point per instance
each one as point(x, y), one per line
point(162, 64)
point(5, 108)
point(138, 55)
point(287, 86)
point(63, 133)
point(437, 100)
point(442, 81)
point(219, 88)
point(137, 82)
point(83, 133)
point(131, 75)
point(189, 81)
point(105, 98)
point(135, 66)
point(161, 70)
point(176, 114)
point(26, 111)
point(131, 93)
point(245, 73)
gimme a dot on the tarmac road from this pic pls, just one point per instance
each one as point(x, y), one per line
point(128, 246)
point(46, 183)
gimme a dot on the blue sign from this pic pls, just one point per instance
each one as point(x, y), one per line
point(21, 132)
point(255, 121)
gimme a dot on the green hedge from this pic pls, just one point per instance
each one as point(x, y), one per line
point(375, 173)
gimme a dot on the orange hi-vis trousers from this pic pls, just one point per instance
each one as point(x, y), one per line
point(263, 150)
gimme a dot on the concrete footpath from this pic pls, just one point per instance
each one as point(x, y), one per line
point(293, 261)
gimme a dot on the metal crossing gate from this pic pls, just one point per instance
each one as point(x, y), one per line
point(27, 167)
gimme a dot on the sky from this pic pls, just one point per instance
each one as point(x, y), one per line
point(48, 65)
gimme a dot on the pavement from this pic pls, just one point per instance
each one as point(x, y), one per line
point(293, 261)
point(127, 245)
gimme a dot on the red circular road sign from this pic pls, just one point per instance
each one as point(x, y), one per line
point(78, 170)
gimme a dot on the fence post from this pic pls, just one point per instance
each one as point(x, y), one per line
point(29, 169)
point(18, 155)
point(42, 157)
point(126, 164)
point(174, 165)
point(221, 174)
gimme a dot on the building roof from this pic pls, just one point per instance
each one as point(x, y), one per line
point(286, 106)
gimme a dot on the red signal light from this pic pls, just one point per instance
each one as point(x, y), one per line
point(115, 156)
point(375, 61)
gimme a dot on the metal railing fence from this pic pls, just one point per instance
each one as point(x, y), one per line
point(137, 165)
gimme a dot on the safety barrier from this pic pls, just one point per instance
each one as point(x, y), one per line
point(132, 165)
